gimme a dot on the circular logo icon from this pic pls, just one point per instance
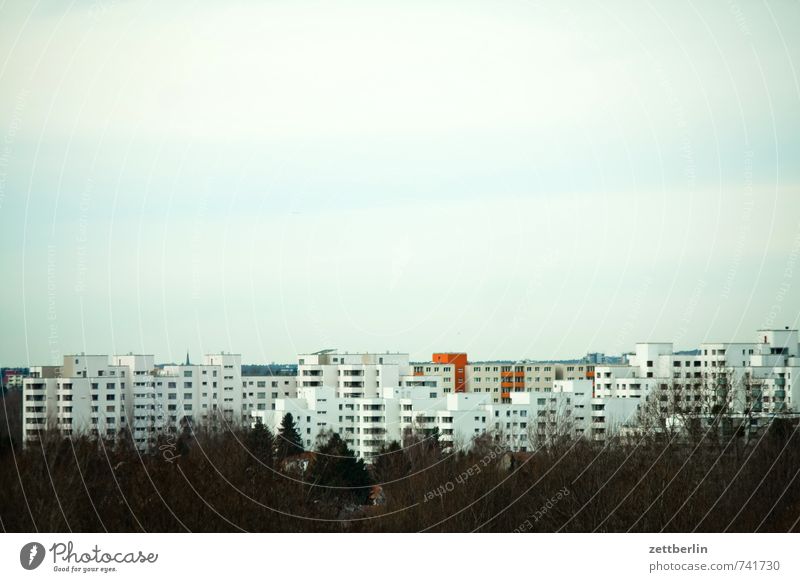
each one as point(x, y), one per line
point(31, 555)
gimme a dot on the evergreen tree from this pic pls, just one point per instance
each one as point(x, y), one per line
point(261, 443)
point(337, 468)
point(390, 464)
point(432, 442)
point(288, 442)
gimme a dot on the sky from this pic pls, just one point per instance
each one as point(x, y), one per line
point(516, 179)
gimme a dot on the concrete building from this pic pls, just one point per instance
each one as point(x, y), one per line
point(421, 399)
point(500, 379)
point(101, 396)
point(755, 379)
point(11, 378)
point(503, 379)
point(371, 399)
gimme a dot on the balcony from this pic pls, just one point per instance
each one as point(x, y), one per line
point(378, 431)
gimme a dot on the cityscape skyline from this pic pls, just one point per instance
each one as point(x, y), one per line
point(372, 399)
point(366, 266)
point(415, 356)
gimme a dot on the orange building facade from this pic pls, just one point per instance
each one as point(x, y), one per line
point(459, 362)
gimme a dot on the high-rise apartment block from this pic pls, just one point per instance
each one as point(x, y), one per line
point(371, 399)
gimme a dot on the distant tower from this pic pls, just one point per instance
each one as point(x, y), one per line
point(188, 363)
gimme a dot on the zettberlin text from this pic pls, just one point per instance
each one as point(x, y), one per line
point(673, 549)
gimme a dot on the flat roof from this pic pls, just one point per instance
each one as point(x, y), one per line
point(354, 354)
point(776, 329)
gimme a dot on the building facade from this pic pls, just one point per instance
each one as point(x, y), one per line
point(371, 399)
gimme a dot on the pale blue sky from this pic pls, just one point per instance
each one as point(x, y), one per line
point(515, 179)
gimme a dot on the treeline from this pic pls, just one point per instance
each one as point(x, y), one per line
point(253, 480)
point(10, 418)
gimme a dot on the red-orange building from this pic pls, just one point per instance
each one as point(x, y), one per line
point(459, 362)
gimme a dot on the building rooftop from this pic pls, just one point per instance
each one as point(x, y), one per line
point(335, 352)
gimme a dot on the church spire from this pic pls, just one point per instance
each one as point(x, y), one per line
point(187, 359)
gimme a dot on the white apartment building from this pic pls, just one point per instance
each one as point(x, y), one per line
point(261, 392)
point(351, 375)
point(373, 399)
point(568, 410)
point(758, 377)
point(101, 395)
point(87, 394)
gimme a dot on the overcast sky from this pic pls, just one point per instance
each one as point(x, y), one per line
point(512, 179)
